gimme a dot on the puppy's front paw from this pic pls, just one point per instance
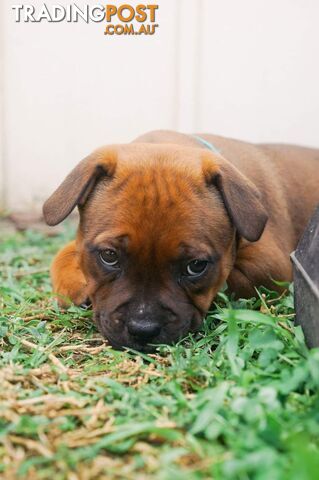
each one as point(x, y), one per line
point(67, 294)
point(69, 283)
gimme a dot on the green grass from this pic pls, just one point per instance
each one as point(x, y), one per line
point(237, 401)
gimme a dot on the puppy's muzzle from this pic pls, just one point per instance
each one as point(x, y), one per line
point(143, 330)
point(145, 321)
point(139, 325)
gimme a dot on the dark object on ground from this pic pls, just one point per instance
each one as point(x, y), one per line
point(306, 280)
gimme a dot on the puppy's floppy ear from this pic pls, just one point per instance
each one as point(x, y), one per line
point(76, 187)
point(240, 196)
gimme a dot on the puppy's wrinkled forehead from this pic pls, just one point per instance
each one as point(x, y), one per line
point(156, 199)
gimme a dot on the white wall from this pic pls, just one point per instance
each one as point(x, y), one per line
point(247, 69)
point(259, 70)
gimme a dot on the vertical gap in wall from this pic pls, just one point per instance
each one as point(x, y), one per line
point(197, 65)
point(177, 79)
point(188, 58)
point(2, 103)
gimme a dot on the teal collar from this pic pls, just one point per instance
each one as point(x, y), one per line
point(207, 144)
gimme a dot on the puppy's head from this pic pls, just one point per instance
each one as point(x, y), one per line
point(157, 235)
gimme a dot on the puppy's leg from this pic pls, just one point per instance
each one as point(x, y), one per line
point(67, 277)
point(259, 264)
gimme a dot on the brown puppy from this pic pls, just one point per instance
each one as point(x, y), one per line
point(164, 222)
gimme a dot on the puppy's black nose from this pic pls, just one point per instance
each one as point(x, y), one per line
point(144, 330)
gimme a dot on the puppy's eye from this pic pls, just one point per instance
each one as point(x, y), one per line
point(196, 267)
point(109, 257)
